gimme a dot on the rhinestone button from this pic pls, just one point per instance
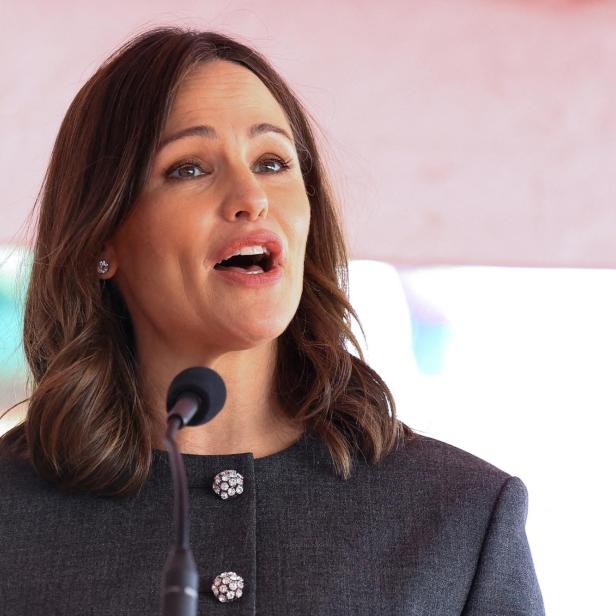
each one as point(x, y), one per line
point(228, 586)
point(228, 483)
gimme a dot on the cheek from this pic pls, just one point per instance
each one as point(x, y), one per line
point(300, 225)
point(153, 233)
point(299, 237)
point(145, 273)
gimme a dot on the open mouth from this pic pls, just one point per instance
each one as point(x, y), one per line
point(247, 263)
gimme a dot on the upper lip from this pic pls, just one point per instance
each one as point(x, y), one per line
point(268, 239)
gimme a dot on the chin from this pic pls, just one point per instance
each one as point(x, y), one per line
point(255, 334)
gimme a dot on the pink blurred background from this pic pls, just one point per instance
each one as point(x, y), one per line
point(466, 132)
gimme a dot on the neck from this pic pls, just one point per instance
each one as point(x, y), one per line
point(252, 419)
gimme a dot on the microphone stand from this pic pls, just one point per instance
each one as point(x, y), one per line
point(180, 587)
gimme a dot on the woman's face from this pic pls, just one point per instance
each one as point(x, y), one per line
point(219, 185)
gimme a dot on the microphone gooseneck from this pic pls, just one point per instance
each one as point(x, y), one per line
point(196, 395)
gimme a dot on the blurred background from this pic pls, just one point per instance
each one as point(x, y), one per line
point(472, 146)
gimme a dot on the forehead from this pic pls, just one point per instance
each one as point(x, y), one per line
point(222, 92)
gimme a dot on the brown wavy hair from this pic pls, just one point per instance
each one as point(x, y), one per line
point(87, 427)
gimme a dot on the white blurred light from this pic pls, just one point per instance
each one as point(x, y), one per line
point(377, 295)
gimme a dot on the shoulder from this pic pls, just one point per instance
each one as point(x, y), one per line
point(441, 475)
point(429, 456)
point(26, 501)
point(476, 513)
point(19, 481)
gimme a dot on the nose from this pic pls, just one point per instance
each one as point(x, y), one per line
point(246, 199)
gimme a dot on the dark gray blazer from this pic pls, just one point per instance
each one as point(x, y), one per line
point(430, 531)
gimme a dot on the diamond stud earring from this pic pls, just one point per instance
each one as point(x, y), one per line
point(102, 267)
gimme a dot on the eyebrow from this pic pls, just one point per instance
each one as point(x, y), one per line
point(202, 130)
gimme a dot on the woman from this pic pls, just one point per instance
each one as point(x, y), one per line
point(186, 220)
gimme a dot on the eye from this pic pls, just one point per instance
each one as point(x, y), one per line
point(188, 170)
point(275, 165)
point(185, 170)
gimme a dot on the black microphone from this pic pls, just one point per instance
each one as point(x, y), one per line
point(195, 396)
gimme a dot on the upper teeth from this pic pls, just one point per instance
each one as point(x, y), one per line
point(249, 250)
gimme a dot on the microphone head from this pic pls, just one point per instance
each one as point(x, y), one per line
point(205, 384)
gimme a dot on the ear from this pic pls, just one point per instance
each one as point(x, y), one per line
point(107, 264)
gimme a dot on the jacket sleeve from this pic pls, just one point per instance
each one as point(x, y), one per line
point(505, 582)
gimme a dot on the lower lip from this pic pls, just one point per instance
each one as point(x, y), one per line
point(252, 280)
